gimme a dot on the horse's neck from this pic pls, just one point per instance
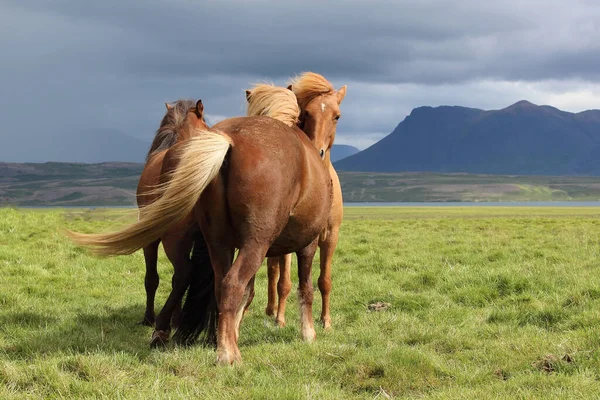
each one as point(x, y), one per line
point(327, 159)
point(304, 137)
point(183, 134)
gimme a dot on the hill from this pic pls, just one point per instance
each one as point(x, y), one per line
point(114, 184)
point(89, 146)
point(523, 139)
point(341, 151)
point(69, 184)
point(93, 146)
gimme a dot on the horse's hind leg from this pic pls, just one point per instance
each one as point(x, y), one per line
point(273, 274)
point(178, 251)
point(198, 257)
point(284, 287)
point(150, 281)
point(235, 290)
point(250, 297)
point(176, 317)
point(327, 250)
point(305, 290)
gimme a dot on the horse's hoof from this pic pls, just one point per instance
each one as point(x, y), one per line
point(280, 323)
point(326, 324)
point(226, 358)
point(159, 339)
point(309, 335)
point(270, 312)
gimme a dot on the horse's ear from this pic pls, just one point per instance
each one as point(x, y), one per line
point(341, 94)
point(248, 94)
point(169, 107)
point(199, 108)
point(290, 88)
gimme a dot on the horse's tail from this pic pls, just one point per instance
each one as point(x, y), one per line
point(199, 313)
point(200, 159)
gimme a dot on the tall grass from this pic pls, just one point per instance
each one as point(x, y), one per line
point(483, 303)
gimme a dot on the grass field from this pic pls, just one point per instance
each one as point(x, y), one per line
point(484, 303)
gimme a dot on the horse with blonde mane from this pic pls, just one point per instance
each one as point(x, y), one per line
point(254, 184)
point(183, 120)
point(179, 240)
point(319, 106)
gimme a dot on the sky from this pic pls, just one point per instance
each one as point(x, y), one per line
point(70, 64)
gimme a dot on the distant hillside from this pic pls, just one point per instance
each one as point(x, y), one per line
point(69, 184)
point(89, 146)
point(341, 151)
point(114, 184)
point(523, 139)
point(93, 146)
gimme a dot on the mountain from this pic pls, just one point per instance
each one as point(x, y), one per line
point(93, 146)
point(523, 138)
point(339, 151)
point(89, 146)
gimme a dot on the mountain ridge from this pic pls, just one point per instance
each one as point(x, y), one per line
point(95, 146)
point(523, 138)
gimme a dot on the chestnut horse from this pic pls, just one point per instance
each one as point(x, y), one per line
point(254, 184)
point(178, 241)
point(181, 121)
point(263, 99)
point(313, 104)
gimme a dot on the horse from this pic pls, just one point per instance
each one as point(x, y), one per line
point(178, 241)
point(265, 100)
point(314, 94)
point(181, 121)
point(254, 184)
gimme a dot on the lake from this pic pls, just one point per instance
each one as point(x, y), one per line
point(479, 204)
point(419, 204)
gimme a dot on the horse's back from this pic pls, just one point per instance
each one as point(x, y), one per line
point(276, 184)
point(263, 149)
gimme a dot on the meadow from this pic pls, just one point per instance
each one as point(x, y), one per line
point(475, 302)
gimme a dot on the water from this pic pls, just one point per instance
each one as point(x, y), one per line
point(479, 204)
point(416, 204)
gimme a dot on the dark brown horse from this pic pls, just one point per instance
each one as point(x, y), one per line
point(254, 184)
point(179, 123)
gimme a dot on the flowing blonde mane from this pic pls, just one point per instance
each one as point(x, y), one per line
point(308, 86)
point(273, 101)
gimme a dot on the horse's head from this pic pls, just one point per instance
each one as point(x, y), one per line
point(273, 101)
point(195, 116)
point(320, 109)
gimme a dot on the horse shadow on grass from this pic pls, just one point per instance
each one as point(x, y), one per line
point(108, 330)
point(99, 330)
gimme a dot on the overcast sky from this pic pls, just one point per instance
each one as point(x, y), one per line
point(67, 64)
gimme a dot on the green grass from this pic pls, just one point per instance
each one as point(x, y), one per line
point(484, 303)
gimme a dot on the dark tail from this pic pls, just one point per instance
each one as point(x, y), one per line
point(199, 313)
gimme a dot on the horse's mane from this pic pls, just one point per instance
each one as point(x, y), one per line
point(308, 86)
point(166, 134)
point(273, 101)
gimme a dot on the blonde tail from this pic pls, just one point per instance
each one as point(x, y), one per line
point(200, 158)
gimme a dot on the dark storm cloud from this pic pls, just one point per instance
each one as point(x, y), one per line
point(392, 42)
point(113, 63)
